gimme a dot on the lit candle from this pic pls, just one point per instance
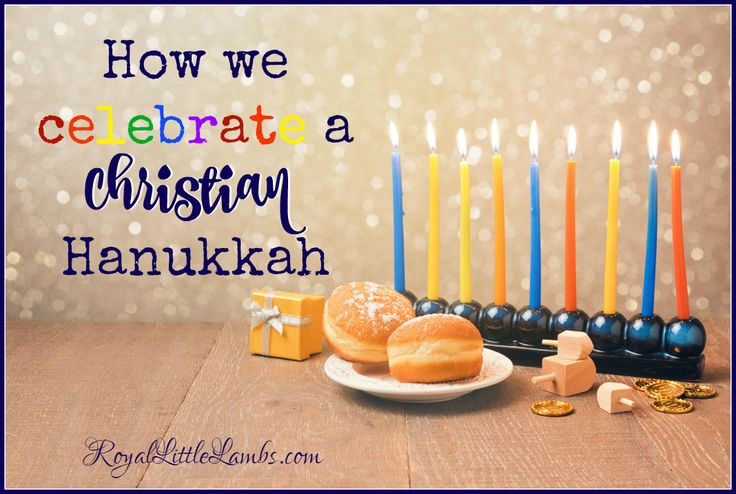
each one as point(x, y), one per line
point(684, 335)
point(433, 267)
point(499, 227)
point(650, 265)
point(466, 291)
point(609, 287)
point(683, 306)
point(570, 267)
point(399, 280)
point(535, 274)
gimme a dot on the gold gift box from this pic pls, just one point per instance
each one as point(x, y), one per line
point(286, 325)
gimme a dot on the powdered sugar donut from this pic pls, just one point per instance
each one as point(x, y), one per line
point(359, 318)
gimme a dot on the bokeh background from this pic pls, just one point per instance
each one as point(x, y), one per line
point(454, 66)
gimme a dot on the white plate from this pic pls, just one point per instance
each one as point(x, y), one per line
point(376, 380)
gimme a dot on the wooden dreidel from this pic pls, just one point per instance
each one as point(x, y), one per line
point(571, 345)
point(566, 377)
point(615, 397)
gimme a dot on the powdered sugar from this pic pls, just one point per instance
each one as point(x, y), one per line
point(374, 308)
point(371, 308)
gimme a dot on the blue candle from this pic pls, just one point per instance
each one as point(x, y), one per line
point(399, 280)
point(650, 266)
point(535, 273)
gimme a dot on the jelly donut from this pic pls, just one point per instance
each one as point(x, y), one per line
point(435, 348)
point(360, 316)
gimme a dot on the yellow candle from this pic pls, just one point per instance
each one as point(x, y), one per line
point(609, 277)
point(499, 226)
point(433, 267)
point(466, 291)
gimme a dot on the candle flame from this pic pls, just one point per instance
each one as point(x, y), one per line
point(676, 147)
point(431, 138)
point(616, 139)
point(462, 144)
point(534, 141)
point(572, 142)
point(394, 133)
point(652, 142)
point(495, 137)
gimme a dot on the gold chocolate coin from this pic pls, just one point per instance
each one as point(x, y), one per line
point(552, 408)
point(700, 391)
point(661, 390)
point(672, 405)
point(643, 383)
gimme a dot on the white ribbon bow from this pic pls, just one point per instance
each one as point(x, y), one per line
point(262, 315)
point(269, 316)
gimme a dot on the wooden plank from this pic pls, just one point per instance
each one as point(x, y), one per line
point(361, 440)
point(69, 381)
point(697, 445)
point(490, 439)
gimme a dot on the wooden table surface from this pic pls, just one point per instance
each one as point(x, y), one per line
point(132, 383)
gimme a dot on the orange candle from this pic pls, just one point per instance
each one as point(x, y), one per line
point(570, 267)
point(499, 227)
point(683, 305)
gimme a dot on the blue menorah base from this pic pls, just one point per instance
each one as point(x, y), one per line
point(427, 306)
point(468, 310)
point(409, 295)
point(656, 365)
